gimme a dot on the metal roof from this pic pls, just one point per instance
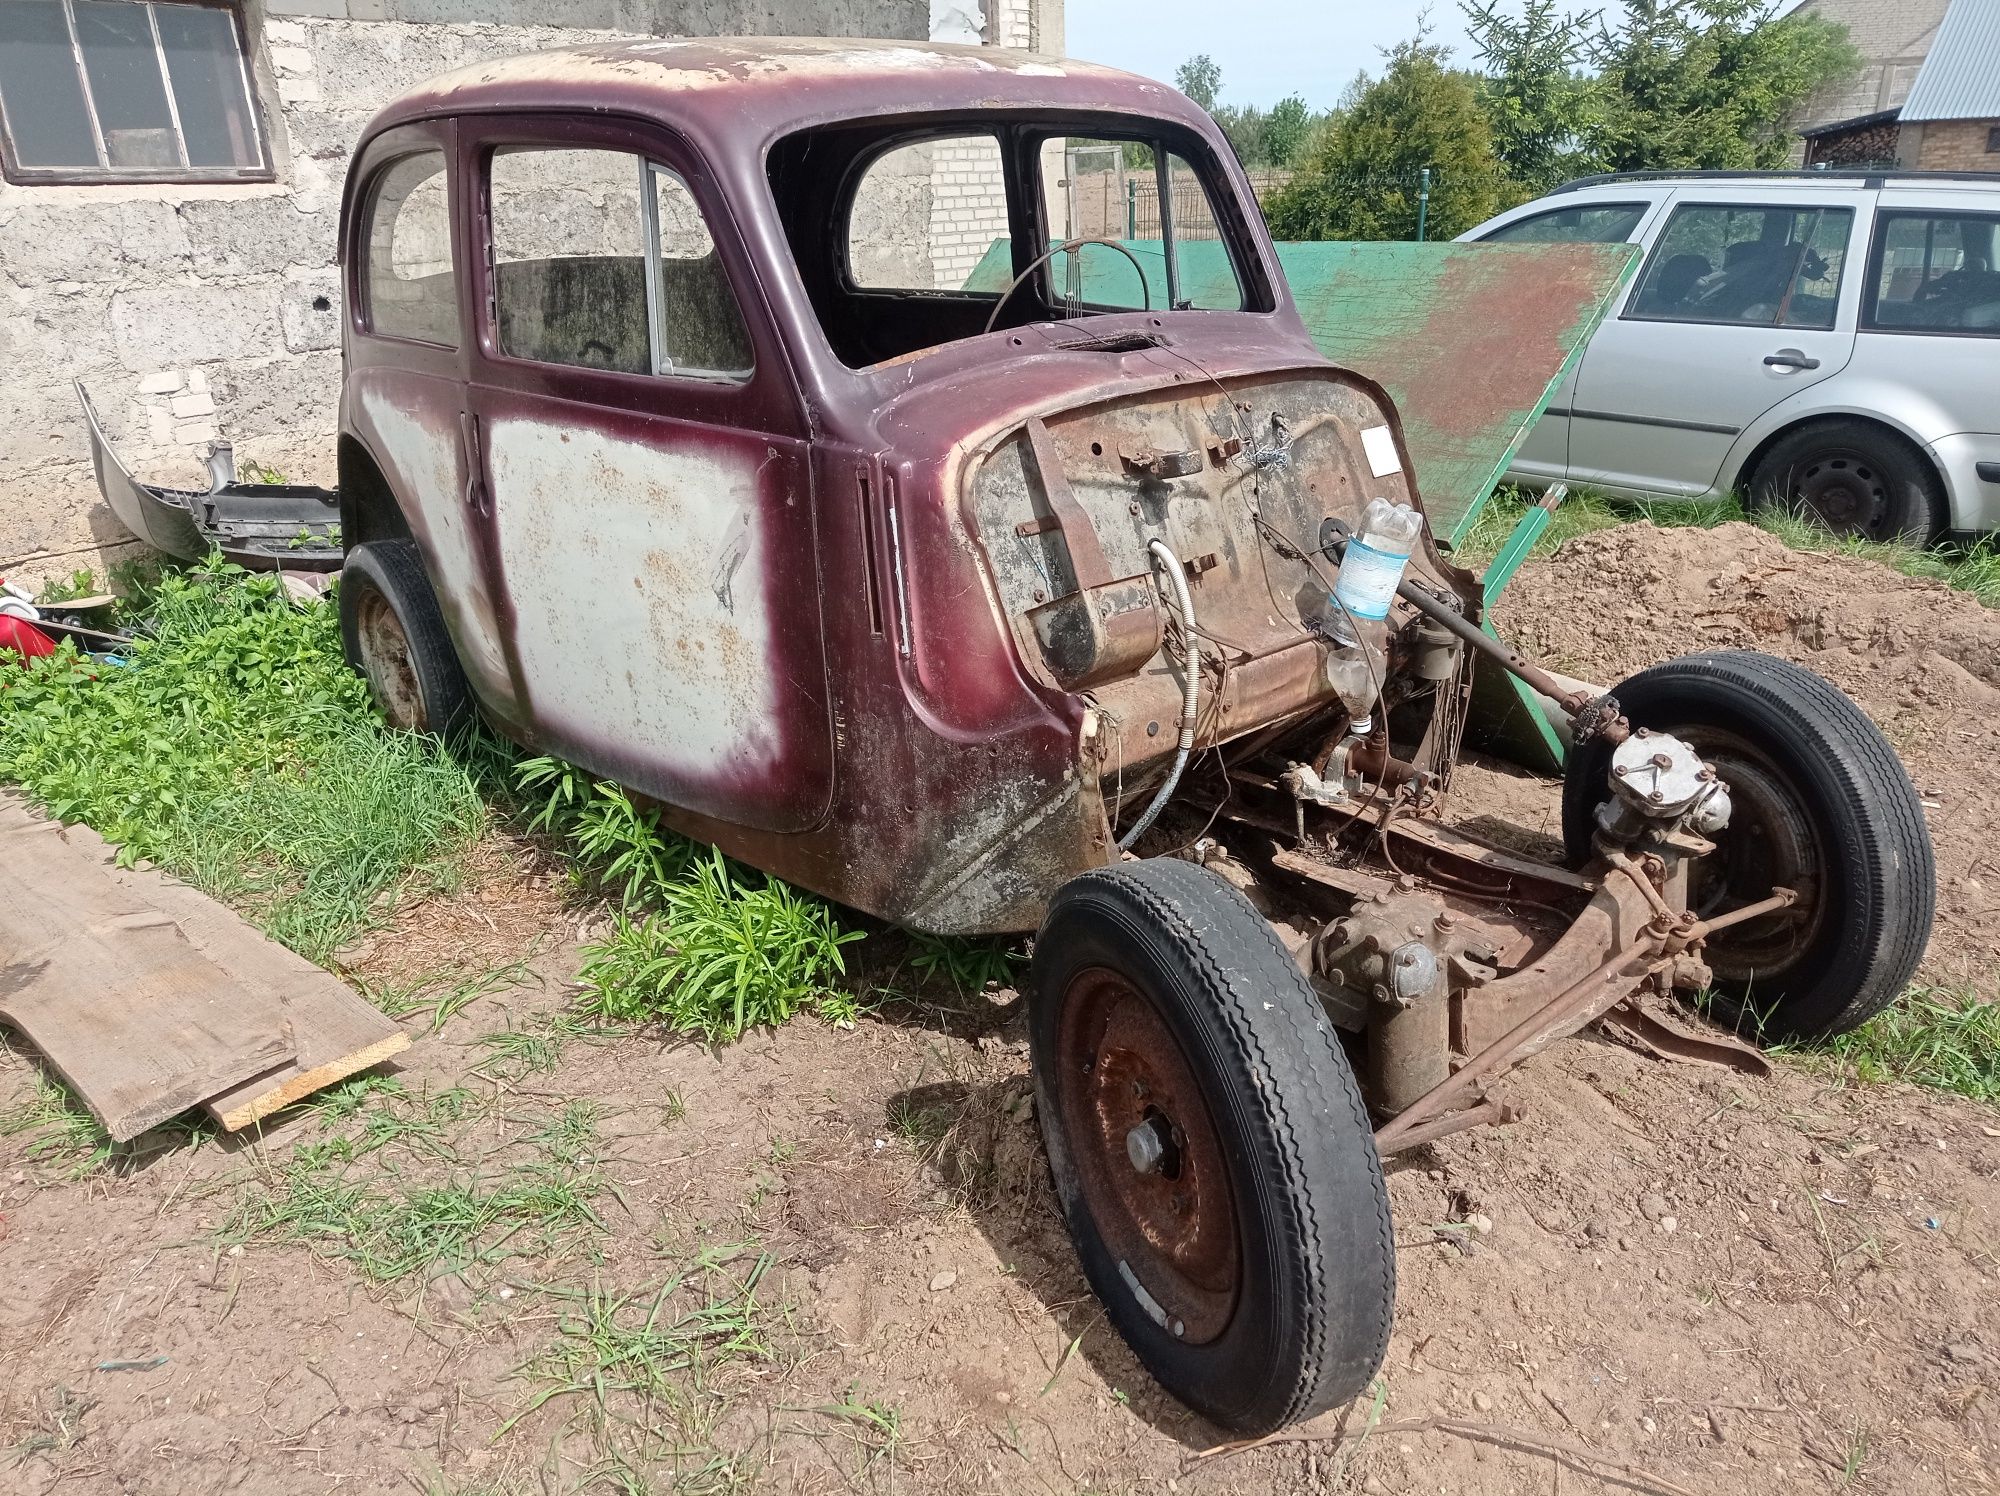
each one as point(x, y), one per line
point(1858, 122)
point(1960, 79)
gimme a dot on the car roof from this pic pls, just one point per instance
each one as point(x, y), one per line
point(763, 87)
point(1804, 181)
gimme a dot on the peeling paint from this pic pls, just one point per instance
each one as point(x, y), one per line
point(609, 543)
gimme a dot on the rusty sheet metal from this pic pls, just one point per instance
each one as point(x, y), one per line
point(1471, 340)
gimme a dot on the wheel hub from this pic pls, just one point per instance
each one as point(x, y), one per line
point(1771, 842)
point(386, 661)
point(1844, 491)
point(1148, 1157)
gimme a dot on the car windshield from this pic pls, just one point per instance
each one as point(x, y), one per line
point(946, 232)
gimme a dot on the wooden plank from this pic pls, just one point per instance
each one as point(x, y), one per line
point(330, 1031)
point(335, 1032)
point(139, 1021)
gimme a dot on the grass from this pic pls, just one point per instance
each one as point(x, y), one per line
point(63, 1138)
point(1941, 1038)
point(391, 1196)
point(642, 1379)
point(237, 750)
point(969, 964)
point(1974, 568)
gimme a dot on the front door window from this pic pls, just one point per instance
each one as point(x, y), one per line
point(602, 260)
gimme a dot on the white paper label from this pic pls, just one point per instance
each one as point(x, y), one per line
point(1380, 446)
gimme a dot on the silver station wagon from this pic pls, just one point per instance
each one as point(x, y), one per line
point(1828, 341)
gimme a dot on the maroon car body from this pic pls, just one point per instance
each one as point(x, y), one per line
point(774, 603)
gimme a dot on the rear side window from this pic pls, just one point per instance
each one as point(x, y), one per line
point(927, 215)
point(602, 260)
point(1758, 266)
point(407, 283)
point(1935, 272)
point(1599, 223)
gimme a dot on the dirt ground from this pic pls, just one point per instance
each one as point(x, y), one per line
point(1690, 1281)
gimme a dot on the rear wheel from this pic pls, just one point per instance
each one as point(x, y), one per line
point(1853, 477)
point(393, 633)
point(1820, 804)
point(1209, 1146)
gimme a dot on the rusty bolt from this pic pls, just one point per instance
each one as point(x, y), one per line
point(1371, 942)
point(1656, 796)
point(1381, 993)
point(1642, 732)
point(1406, 881)
point(1444, 920)
point(1618, 769)
point(1040, 595)
point(1132, 508)
point(1707, 772)
point(1662, 761)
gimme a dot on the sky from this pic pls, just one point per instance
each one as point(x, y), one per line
point(1266, 48)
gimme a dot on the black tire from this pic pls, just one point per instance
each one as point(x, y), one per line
point(1820, 801)
point(394, 635)
point(1855, 478)
point(1287, 1161)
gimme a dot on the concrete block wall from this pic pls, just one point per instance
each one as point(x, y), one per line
point(197, 312)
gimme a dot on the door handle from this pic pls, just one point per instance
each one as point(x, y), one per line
point(1790, 358)
point(475, 461)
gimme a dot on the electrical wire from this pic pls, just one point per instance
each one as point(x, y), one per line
point(1163, 557)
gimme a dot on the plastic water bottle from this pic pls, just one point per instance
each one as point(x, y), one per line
point(1362, 593)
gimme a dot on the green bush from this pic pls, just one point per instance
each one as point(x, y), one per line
point(725, 952)
point(236, 749)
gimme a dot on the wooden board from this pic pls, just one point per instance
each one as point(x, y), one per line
point(335, 1032)
point(326, 1030)
point(114, 995)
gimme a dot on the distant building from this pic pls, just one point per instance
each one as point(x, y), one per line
point(1948, 118)
point(170, 177)
point(1893, 37)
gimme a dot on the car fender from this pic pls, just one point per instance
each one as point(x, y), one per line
point(1899, 406)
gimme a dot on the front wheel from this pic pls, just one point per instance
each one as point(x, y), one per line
point(1819, 804)
point(1210, 1148)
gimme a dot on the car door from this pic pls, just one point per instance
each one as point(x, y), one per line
point(644, 471)
point(1930, 329)
point(1744, 300)
point(1544, 455)
point(404, 381)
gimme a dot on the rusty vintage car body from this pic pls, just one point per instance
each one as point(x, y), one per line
point(1008, 610)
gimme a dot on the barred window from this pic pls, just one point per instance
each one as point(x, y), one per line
point(126, 91)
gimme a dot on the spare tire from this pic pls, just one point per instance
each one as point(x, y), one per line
point(1820, 803)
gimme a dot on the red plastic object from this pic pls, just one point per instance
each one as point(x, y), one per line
point(23, 637)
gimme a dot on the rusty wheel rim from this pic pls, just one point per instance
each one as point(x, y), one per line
point(386, 661)
point(1147, 1156)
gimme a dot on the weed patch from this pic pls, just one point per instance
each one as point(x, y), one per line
point(417, 1209)
point(237, 750)
point(642, 1378)
point(1935, 1037)
point(697, 942)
